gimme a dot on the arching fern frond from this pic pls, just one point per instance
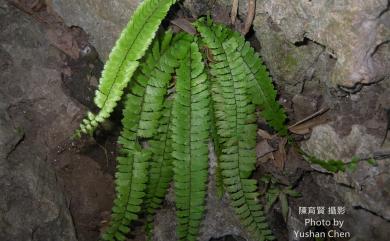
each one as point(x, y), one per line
point(236, 127)
point(160, 169)
point(145, 101)
point(239, 161)
point(130, 187)
point(260, 85)
point(123, 59)
point(133, 164)
point(190, 143)
point(156, 89)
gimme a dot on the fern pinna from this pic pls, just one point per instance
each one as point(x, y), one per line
point(176, 101)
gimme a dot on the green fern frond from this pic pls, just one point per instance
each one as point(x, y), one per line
point(213, 128)
point(260, 86)
point(145, 101)
point(129, 166)
point(160, 170)
point(132, 166)
point(155, 93)
point(130, 184)
point(236, 127)
point(123, 59)
point(156, 89)
point(190, 143)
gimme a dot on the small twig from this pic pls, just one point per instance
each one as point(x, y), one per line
point(22, 7)
point(250, 16)
point(105, 152)
point(320, 112)
point(379, 155)
point(233, 14)
point(387, 126)
point(35, 7)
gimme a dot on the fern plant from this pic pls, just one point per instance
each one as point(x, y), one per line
point(176, 101)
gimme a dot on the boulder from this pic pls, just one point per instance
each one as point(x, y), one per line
point(355, 33)
point(35, 116)
point(102, 20)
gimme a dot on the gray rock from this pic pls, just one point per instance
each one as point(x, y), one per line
point(102, 20)
point(228, 238)
point(362, 225)
point(354, 32)
point(325, 143)
point(9, 136)
point(368, 184)
point(350, 30)
point(32, 205)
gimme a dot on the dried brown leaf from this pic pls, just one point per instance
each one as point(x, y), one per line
point(265, 158)
point(185, 25)
point(233, 14)
point(64, 41)
point(263, 148)
point(305, 125)
point(280, 154)
point(250, 16)
point(264, 134)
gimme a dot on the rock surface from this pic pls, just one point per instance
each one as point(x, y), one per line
point(102, 20)
point(355, 33)
point(351, 31)
point(368, 185)
point(368, 227)
point(35, 116)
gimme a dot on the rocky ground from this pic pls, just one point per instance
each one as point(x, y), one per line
point(320, 54)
